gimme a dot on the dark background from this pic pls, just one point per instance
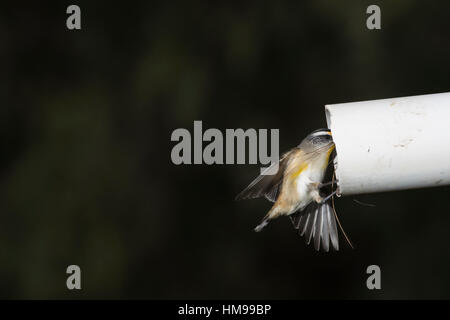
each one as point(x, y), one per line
point(85, 171)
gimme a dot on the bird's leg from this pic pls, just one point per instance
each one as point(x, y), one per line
point(326, 183)
point(328, 197)
point(314, 191)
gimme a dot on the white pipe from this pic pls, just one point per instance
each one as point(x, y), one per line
point(391, 144)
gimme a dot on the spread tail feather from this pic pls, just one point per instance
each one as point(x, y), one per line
point(317, 223)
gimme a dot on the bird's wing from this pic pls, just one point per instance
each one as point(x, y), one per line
point(268, 185)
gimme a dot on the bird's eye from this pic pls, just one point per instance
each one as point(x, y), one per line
point(321, 139)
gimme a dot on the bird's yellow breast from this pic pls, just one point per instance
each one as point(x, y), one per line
point(300, 169)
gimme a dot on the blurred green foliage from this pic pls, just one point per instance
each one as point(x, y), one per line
point(85, 124)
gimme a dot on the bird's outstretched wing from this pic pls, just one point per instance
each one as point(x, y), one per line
point(267, 185)
point(317, 222)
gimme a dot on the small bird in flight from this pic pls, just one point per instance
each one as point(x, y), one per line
point(295, 191)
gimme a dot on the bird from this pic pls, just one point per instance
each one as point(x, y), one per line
point(295, 190)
